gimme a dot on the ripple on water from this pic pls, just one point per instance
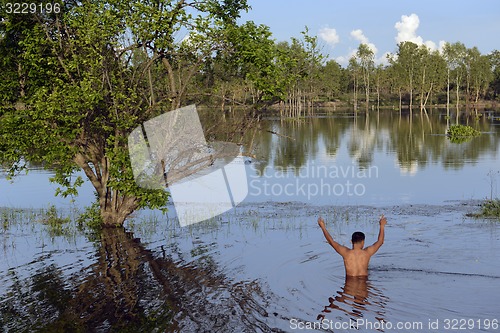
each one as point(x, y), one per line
point(261, 275)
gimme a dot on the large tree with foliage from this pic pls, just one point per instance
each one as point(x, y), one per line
point(408, 64)
point(455, 56)
point(478, 75)
point(365, 56)
point(76, 82)
point(494, 58)
point(431, 69)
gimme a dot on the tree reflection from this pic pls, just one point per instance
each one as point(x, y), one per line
point(416, 140)
point(130, 289)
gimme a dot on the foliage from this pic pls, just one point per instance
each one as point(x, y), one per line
point(490, 209)
point(461, 133)
point(75, 85)
point(365, 58)
point(494, 91)
point(90, 218)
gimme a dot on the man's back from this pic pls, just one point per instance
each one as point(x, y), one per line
point(356, 262)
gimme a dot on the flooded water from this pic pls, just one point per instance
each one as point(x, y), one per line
point(265, 267)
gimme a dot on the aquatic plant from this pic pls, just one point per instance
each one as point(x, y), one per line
point(50, 221)
point(491, 209)
point(56, 223)
point(461, 133)
point(52, 217)
point(90, 218)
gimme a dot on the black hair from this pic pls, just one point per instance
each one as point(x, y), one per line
point(357, 237)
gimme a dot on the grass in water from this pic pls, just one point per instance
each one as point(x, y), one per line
point(489, 209)
point(461, 133)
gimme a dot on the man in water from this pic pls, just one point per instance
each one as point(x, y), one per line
point(356, 259)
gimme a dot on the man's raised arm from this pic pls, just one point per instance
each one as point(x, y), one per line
point(342, 250)
point(381, 235)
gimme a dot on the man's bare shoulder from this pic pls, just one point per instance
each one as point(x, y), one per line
point(345, 251)
point(368, 251)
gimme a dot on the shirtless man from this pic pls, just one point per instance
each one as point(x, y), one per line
point(356, 259)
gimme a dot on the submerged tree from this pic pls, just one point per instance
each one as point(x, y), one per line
point(78, 81)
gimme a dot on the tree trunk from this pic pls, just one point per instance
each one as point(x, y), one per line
point(355, 94)
point(448, 94)
point(400, 100)
point(378, 98)
point(411, 100)
point(422, 93)
point(174, 94)
point(115, 207)
point(427, 96)
point(367, 91)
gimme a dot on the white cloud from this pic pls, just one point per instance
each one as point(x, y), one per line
point(360, 36)
point(442, 43)
point(407, 32)
point(407, 29)
point(329, 35)
point(383, 59)
point(430, 45)
point(342, 60)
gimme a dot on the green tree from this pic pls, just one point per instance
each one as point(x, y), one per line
point(396, 77)
point(432, 72)
point(246, 63)
point(366, 57)
point(83, 80)
point(479, 75)
point(354, 69)
point(455, 55)
point(331, 79)
point(254, 54)
point(314, 64)
point(494, 87)
point(408, 63)
point(380, 80)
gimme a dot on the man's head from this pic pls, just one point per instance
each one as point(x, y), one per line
point(358, 238)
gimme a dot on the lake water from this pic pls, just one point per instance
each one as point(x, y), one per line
point(265, 265)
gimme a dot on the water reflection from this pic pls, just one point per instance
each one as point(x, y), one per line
point(418, 139)
point(408, 151)
point(357, 298)
point(130, 289)
point(250, 272)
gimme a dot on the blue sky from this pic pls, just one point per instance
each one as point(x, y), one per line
point(344, 24)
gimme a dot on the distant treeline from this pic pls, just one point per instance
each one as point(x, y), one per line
point(296, 76)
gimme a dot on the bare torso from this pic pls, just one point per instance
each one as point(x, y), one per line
point(356, 262)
